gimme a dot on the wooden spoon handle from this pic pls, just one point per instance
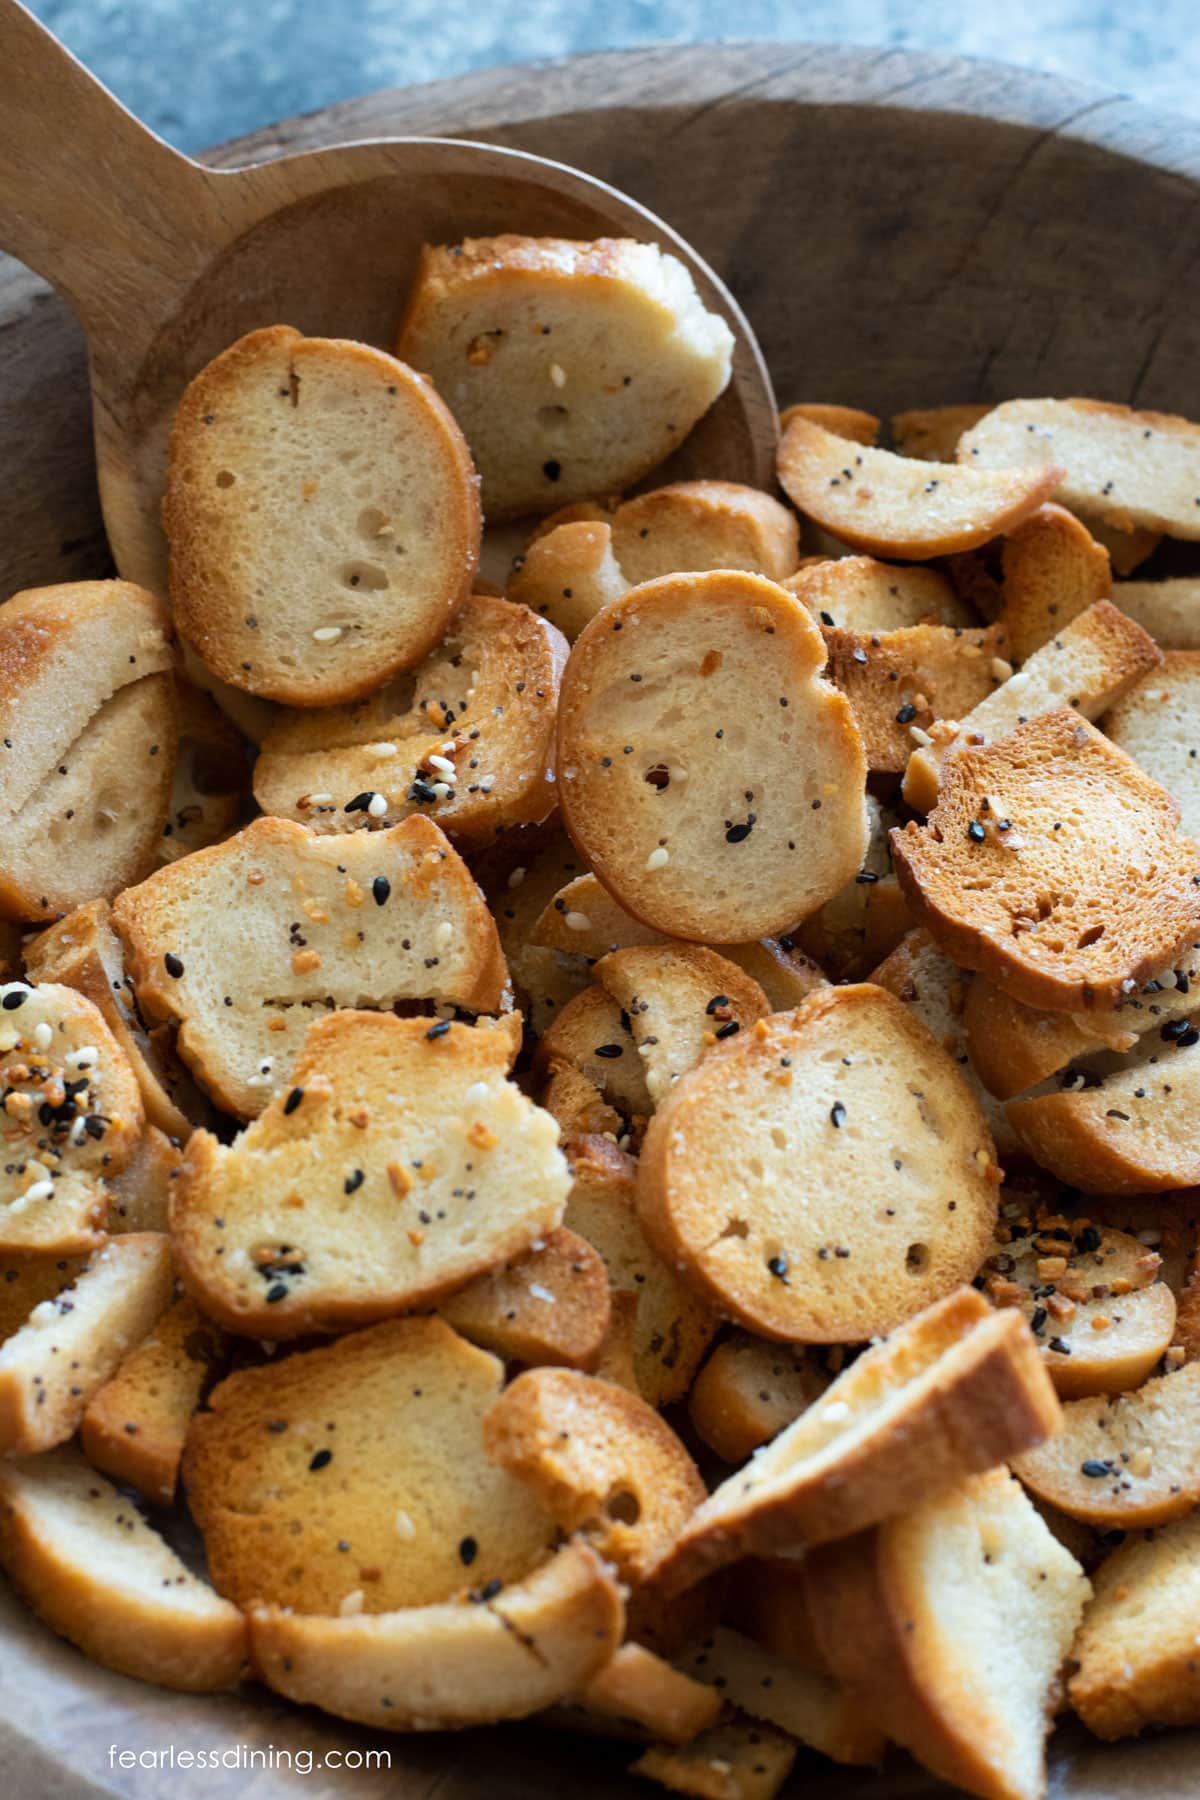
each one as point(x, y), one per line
point(89, 198)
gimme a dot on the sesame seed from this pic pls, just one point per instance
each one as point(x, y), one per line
point(293, 1100)
point(377, 806)
point(468, 1550)
point(321, 1460)
point(327, 634)
point(42, 1035)
point(558, 375)
point(837, 1114)
point(381, 888)
point(577, 921)
point(438, 1031)
point(172, 963)
point(658, 859)
point(441, 762)
point(381, 752)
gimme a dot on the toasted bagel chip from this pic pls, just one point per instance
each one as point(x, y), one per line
point(680, 1000)
point(1127, 468)
point(681, 822)
point(72, 1343)
point(1067, 888)
point(87, 1562)
point(846, 421)
point(600, 1460)
point(466, 739)
point(1168, 610)
point(73, 1115)
point(134, 1427)
point(399, 1163)
point(1157, 722)
point(322, 514)
point(471, 1661)
point(888, 505)
point(931, 433)
point(567, 574)
point(1088, 666)
point(638, 1689)
point(810, 1707)
point(1136, 1648)
point(749, 1390)
point(1123, 1461)
point(1135, 1132)
point(373, 1446)
point(549, 1306)
point(899, 682)
point(84, 952)
point(1052, 570)
point(573, 368)
point(245, 943)
point(747, 1165)
point(951, 1624)
point(88, 729)
point(861, 594)
point(671, 1326)
point(694, 525)
point(886, 1436)
point(1092, 1296)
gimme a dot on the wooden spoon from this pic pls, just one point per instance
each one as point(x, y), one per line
point(166, 262)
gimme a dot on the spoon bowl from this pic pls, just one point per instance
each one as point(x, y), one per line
point(166, 262)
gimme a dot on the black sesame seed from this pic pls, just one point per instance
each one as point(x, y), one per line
point(837, 1114)
point(716, 1001)
point(778, 1266)
point(976, 832)
point(468, 1550)
point(1094, 1469)
point(907, 713)
point(277, 1292)
point(727, 1030)
point(353, 1181)
point(321, 1460)
point(381, 887)
point(551, 470)
point(293, 1100)
point(360, 802)
point(173, 964)
point(17, 998)
point(609, 1051)
point(1037, 1319)
point(737, 834)
point(439, 1030)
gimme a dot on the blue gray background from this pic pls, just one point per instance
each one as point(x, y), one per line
point(200, 71)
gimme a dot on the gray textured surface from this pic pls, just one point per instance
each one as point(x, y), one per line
point(199, 71)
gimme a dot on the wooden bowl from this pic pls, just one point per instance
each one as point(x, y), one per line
point(902, 230)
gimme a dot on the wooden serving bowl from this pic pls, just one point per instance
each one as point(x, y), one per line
point(902, 230)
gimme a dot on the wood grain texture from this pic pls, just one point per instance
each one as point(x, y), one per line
point(902, 230)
